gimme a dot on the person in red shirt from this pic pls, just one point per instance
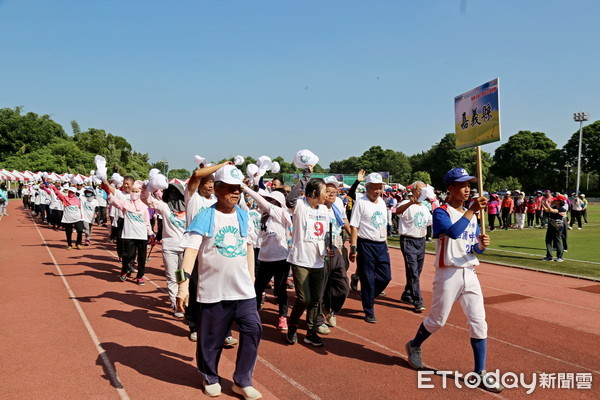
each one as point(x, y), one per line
point(508, 206)
point(531, 211)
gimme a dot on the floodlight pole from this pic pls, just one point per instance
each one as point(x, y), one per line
point(579, 117)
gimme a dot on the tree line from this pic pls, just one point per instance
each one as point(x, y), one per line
point(527, 160)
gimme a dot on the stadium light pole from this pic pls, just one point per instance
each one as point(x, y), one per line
point(579, 117)
point(567, 166)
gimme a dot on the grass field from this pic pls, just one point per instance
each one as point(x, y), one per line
point(527, 247)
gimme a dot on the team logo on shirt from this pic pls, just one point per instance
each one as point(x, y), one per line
point(229, 243)
point(420, 220)
point(135, 217)
point(378, 219)
point(177, 221)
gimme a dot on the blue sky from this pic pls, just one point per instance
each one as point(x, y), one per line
point(220, 78)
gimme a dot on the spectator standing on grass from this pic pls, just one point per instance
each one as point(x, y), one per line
point(538, 208)
point(577, 207)
point(520, 209)
point(546, 200)
point(531, 211)
point(508, 205)
point(493, 211)
point(585, 207)
point(556, 212)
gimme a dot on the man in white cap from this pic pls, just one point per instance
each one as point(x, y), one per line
point(412, 228)
point(218, 239)
point(368, 244)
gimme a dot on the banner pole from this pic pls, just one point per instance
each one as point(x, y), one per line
point(480, 188)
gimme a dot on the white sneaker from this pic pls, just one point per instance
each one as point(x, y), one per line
point(331, 320)
point(213, 390)
point(230, 341)
point(323, 329)
point(248, 392)
point(178, 314)
point(194, 336)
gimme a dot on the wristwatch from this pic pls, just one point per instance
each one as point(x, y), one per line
point(352, 249)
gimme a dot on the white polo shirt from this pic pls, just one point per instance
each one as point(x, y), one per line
point(370, 218)
point(414, 220)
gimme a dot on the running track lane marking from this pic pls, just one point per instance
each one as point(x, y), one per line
point(537, 255)
point(110, 370)
point(273, 368)
point(384, 347)
point(510, 291)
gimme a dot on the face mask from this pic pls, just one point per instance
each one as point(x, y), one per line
point(134, 196)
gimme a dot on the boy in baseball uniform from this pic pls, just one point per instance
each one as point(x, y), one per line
point(458, 239)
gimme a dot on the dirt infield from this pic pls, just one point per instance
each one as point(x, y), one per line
point(71, 330)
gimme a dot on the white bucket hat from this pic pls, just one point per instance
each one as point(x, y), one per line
point(304, 158)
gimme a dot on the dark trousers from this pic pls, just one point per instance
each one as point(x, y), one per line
point(308, 283)
point(505, 218)
point(101, 215)
point(279, 270)
point(44, 211)
point(373, 262)
point(214, 320)
point(26, 201)
point(413, 251)
point(538, 217)
point(554, 240)
point(55, 217)
point(492, 220)
point(69, 232)
point(565, 232)
point(576, 216)
point(130, 248)
point(530, 218)
point(335, 286)
point(544, 219)
point(193, 307)
point(119, 233)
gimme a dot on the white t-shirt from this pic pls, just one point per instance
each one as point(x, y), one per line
point(370, 219)
point(195, 204)
point(414, 220)
point(71, 214)
point(100, 198)
point(255, 239)
point(222, 264)
point(308, 237)
point(134, 225)
point(453, 252)
point(274, 240)
point(88, 208)
point(55, 203)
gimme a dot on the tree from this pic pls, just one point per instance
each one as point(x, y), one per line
point(180, 173)
point(75, 127)
point(528, 156)
point(421, 176)
point(376, 159)
point(590, 148)
point(23, 134)
point(443, 156)
point(496, 184)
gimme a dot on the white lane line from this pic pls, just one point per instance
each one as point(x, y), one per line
point(538, 255)
point(400, 354)
point(108, 366)
point(273, 368)
point(522, 294)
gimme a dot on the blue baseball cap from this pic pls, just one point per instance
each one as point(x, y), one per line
point(458, 175)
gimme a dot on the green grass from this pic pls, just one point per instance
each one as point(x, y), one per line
point(526, 248)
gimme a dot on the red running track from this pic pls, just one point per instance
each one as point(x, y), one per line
point(71, 330)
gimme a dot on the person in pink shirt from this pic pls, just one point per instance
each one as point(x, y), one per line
point(137, 231)
point(493, 211)
point(72, 216)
